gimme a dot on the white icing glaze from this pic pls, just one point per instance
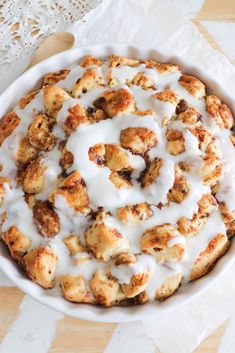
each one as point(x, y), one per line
point(58, 132)
point(97, 179)
point(199, 104)
point(160, 273)
point(75, 223)
point(157, 191)
point(35, 106)
point(9, 148)
point(8, 155)
point(63, 112)
point(194, 247)
point(75, 73)
point(169, 214)
point(19, 214)
point(144, 263)
point(176, 240)
point(152, 75)
point(52, 171)
point(192, 154)
point(141, 97)
point(163, 110)
point(88, 98)
point(184, 94)
point(125, 73)
point(191, 143)
point(226, 191)
point(72, 221)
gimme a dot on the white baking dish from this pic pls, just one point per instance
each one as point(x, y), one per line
point(31, 80)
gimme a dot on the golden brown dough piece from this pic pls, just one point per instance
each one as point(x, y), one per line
point(116, 158)
point(76, 116)
point(90, 60)
point(40, 265)
point(33, 181)
point(110, 155)
point(3, 180)
point(105, 242)
point(207, 258)
point(134, 214)
point(125, 258)
point(31, 200)
point(54, 97)
point(66, 159)
point(193, 85)
point(204, 136)
point(163, 69)
point(138, 139)
point(46, 219)
point(230, 229)
point(157, 242)
point(220, 112)
point(74, 244)
point(39, 133)
point(137, 285)
point(151, 172)
point(95, 115)
point(116, 61)
point(175, 144)
point(211, 170)
point(167, 96)
point(106, 289)
point(189, 227)
point(169, 286)
point(188, 115)
point(115, 102)
point(54, 77)
point(180, 188)
point(228, 218)
point(16, 242)
point(75, 289)
point(26, 152)
point(27, 99)
point(7, 124)
point(90, 80)
point(120, 180)
point(73, 189)
point(143, 81)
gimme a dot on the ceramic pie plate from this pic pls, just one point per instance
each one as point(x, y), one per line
point(31, 80)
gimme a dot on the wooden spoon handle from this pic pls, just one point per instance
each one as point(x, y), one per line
point(55, 43)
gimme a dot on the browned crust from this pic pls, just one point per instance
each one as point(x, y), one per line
point(7, 125)
point(193, 85)
point(40, 265)
point(207, 258)
point(46, 219)
point(54, 77)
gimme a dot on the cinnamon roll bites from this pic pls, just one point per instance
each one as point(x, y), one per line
point(117, 180)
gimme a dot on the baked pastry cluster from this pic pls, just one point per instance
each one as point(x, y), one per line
point(117, 181)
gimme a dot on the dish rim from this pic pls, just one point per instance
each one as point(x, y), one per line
point(29, 80)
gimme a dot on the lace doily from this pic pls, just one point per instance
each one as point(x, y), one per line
point(25, 23)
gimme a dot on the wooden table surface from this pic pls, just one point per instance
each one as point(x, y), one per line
point(215, 20)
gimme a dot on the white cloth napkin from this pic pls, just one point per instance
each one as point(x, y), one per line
point(161, 25)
